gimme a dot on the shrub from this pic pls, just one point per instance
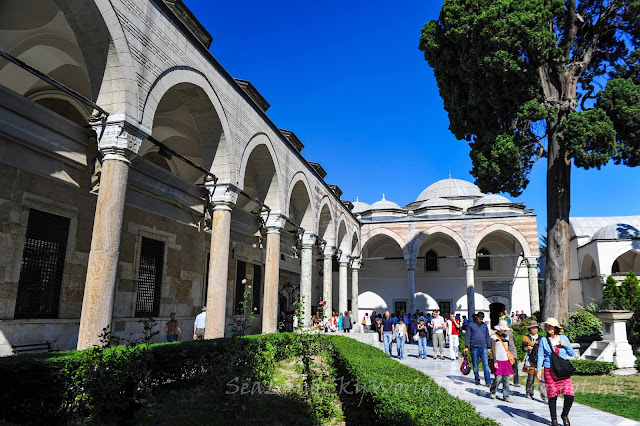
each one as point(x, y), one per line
point(587, 367)
point(583, 327)
point(397, 394)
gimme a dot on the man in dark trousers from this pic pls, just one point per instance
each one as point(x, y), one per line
point(346, 323)
point(478, 340)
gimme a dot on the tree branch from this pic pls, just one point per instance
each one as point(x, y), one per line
point(568, 35)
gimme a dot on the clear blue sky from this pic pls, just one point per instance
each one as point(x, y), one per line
point(347, 77)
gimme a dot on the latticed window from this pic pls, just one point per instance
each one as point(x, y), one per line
point(257, 287)
point(149, 278)
point(484, 261)
point(42, 265)
point(431, 261)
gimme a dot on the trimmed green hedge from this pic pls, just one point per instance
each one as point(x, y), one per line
point(587, 367)
point(397, 394)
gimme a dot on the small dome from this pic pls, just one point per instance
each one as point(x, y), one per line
point(450, 188)
point(384, 205)
point(492, 199)
point(359, 207)
point(438, 202)
point(618, 231)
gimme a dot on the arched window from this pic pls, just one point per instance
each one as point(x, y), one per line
point(615, 268)
point(484, 263)
point(431, 261)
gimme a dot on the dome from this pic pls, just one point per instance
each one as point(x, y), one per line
point(618, 231)
point(384, 205)
point(492, 199)
point(450, 188)
point(359, 207)
point(438, 202)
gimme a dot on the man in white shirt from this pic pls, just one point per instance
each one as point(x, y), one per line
point(199, 324)
point(453, 331)
point(437, 324)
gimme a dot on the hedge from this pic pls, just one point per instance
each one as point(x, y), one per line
point(397, 394)
point(587, 367)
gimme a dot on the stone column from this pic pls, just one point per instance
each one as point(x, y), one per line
point(308, 241)
point(327, 280)
point(118, 142)
point(223, 197)
point(534, 296)
point(411, 267)
point(274, 222)
point(471, 287)
point(343, 284)
point(355, 292)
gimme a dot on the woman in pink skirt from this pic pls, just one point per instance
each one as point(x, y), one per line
point(501, 363)
point(561, 345)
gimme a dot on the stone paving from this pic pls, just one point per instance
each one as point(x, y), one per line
point(521, 412)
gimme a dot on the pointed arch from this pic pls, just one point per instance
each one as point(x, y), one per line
point(389, 233)
point(260, 174)
point(300, 208)
point(501, 228)
point(423, 236)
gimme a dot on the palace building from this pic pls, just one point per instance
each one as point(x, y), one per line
point(138, 178)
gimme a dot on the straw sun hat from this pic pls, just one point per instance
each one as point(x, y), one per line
point(551, 321)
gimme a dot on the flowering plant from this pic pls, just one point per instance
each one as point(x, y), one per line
point(322, 303)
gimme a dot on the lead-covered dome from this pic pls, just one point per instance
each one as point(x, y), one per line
point(618, 231)
point(359, 206)
point(384, 204)
point(491, 200)
point(450, 188)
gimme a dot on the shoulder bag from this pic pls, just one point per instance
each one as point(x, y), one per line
point(562, 368)
point(510, 357)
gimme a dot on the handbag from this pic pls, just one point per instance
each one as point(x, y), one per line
point(364, 322)
point(510, 357)
point(465, 368)
point(562, 368)
point(415, 337)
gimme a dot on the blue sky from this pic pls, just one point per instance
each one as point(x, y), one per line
point(348, 79)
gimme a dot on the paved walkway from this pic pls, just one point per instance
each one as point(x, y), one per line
point(521, 412)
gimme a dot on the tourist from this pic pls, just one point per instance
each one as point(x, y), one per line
point(172, 329)
point(465, 323)
point(437, 324)
point(379, 326)
point(501, 363)
point(295, 319)
point(561, 345)
point(386, 333)
point(199, 324)
point(401, 336)
point(514, 352)
point(366, 322)
point(346, 323)
point(453, 331)
point(394, 318)
point(405, 317)
point(480, 344)
point(423, 334)
point(530, 344)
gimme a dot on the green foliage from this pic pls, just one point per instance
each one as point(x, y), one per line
point(611, 291)
point(626, 296)
point(583, 327)
point(508, 72)
point(397, 394)
point(587, 367)
point(240, 324)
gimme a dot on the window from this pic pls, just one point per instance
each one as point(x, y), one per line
point(445, 308)
point(149, 278)
point(431, 261)
point(484, 263)
point(257, 288)
point(241, 273)
point(42, 266)
point(400, 306)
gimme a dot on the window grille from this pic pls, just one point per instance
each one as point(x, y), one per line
point(257, 288)
point(149, 278)
point(484, 263)
point(431, 261)
point(241, 273)
point(42, 266)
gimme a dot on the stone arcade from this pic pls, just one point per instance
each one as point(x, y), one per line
point(104, 221)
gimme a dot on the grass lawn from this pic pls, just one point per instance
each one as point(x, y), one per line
point(614, 394)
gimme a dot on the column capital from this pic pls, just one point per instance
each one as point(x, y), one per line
point(328, 251)
point(411, 263)
point(222, 195)
point(274, 221)
point(119, 140)
point(532, 262)
point(308, 239)
point(469, 262)
point(356, 263)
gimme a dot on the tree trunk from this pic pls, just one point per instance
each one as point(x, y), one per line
point(556, 285)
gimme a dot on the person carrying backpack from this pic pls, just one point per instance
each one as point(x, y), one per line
point(530, 344)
